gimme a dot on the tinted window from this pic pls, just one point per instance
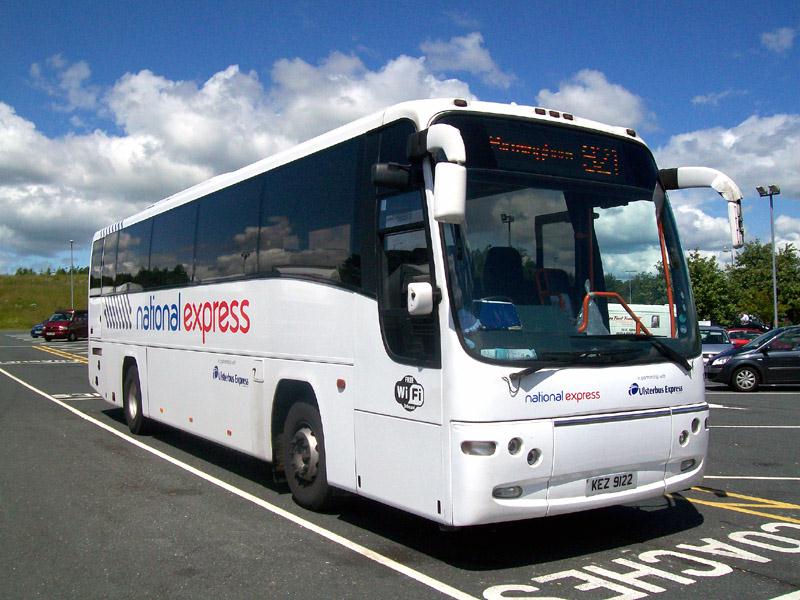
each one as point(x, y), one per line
point(307, 223)
point(97, 268)
point(172, 249)
point(227, 232)
point(405, 259)
point(109, 262)
point(133, 257)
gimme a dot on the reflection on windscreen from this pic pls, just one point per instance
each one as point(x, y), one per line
point(565, 272)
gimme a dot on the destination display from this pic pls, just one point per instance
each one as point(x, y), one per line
point(551, 149)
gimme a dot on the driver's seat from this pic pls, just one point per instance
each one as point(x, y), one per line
point(502, 274)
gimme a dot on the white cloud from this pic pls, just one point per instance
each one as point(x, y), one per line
point(173, 134)
point(759, 150)
point(589, 94)
point(465, 54)
point(780, 40)
point(714, 98)
point(700, 230)
point(787, 230)
point(66, 82)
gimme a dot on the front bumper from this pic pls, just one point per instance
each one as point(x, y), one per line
point(573, 450)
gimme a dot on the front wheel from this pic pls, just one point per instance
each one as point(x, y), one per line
point(745, 379)
point(304, 457)
point(132, 402)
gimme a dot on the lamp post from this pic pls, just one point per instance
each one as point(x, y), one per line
point(630, 286)
point(507, 219)
point(772, 190)
point(71, 282)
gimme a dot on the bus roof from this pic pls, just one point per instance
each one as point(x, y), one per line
point(421, 112)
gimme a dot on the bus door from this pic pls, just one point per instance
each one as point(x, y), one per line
point(399, 405)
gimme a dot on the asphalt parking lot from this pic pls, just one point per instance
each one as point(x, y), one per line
point(88, 511)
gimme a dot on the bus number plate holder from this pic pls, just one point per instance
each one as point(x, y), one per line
point(606, 484)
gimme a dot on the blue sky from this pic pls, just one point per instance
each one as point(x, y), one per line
point(105, 107)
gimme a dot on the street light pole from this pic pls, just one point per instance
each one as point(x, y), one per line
point(772, 190)
point(630, 287)
point(71, 282)
point(504, 218)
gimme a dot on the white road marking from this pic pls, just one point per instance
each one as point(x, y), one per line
point(768, 392)
point(742, 477)
point(789, 596)
point(755, 426)
point(710, 405)
point(432, 583)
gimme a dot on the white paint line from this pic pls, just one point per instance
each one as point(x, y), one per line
point(755, 426)
point(329, 535)
point(725, 407)
point(743, 477)
point(789, 596)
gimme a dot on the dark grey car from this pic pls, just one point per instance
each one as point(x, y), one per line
point(772, 357)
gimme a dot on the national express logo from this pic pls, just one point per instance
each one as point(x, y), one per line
point(642, 390)
point(561, 396)
point(224, 316)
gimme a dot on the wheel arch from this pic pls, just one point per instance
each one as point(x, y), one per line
point(287, 393)
point(753, 365)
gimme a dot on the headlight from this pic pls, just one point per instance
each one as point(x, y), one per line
point(720, 361)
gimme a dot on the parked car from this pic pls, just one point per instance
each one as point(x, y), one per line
point(739, 336)
point(772, 357)
point(714, 340)
point(36, 330)
point(67, 324)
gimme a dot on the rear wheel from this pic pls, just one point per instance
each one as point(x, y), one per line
point(745, 379)
point(72, 336)
point(132, 402)
point(304, 457)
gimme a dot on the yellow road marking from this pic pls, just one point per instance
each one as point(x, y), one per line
point(63, 354)
point(747, 508)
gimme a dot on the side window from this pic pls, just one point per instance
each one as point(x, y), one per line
point(405, 258)
point(172, 248)
point(109, 269)
point(97, 268)
point(308, 217)
point(227, 232)
point(133, 257)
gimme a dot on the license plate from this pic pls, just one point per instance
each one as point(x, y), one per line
point(606, 484)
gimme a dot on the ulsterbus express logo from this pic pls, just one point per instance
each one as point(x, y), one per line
point(225, 316)
point(642, 390)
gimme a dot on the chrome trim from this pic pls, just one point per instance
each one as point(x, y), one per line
point(592, 419)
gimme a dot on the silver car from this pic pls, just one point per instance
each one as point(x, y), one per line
point(714, 340)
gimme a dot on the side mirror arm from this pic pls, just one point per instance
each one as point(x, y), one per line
point(696, 177)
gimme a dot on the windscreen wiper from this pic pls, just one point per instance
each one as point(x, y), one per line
point(662, 348)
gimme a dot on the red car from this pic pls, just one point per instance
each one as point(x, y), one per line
point(741, 335)
point(67, 324)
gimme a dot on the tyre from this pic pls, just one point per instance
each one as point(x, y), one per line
point(72, 336)
point(304, 457)
point(132, 402)
point(745, 379)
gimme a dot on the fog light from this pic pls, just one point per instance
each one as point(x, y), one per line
point(514, 445)
point(534, 456)
point(683, 437)
point(478, 448)
point(504, 493)
point(688, 464)
point(695, 425)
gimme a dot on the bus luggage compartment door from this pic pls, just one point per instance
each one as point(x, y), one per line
point(600, 460)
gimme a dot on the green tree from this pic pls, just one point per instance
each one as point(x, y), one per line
point(711, 289)
point(751, 281)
